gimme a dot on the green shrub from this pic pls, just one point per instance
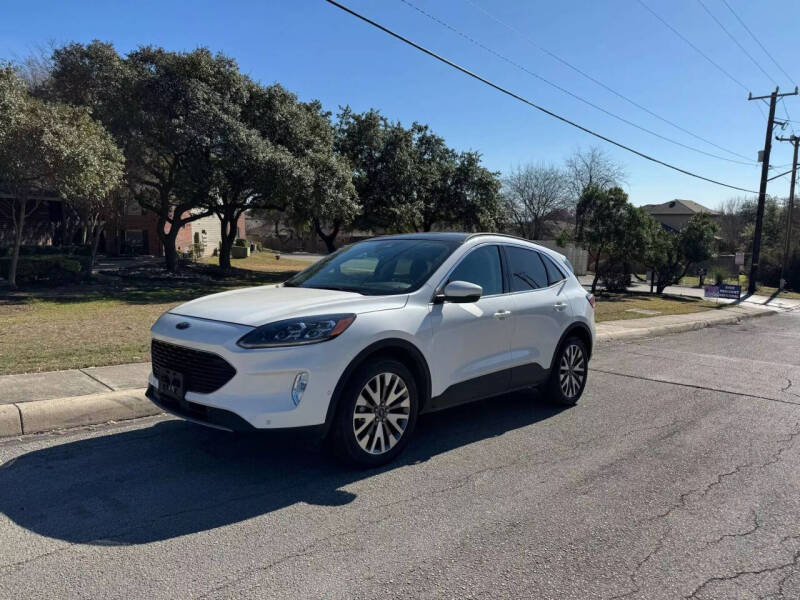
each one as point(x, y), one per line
point(718, 275)
point(53, 268)
point(615, 278)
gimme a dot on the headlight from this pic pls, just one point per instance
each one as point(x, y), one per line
point(296, 332)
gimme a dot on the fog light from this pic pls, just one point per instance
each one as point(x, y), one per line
point(299, 387)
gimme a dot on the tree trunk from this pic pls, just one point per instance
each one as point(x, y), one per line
point(328, 238)
point(170, 251)
point(596, 271)
point(537, 229)
point(19, 221)
point(98, 230)
point(227, 238)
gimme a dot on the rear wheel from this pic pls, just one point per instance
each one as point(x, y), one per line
point(570, 369)
point(377, 413)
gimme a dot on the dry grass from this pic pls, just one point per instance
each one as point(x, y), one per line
point(264, 262)
point(616, 307)
point(106, 324)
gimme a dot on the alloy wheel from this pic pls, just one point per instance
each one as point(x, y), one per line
point(381, 413)
point(572, 371)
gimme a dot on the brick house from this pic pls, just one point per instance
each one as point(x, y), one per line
point(135, 233)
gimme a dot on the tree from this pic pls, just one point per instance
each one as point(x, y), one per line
point(329, 201)
point(47, 147)
point(732, 222)
point(321, 192)
point(475, 194)
point(591, 168)
point(533, 194)
point(179, 99)
point(447, 188)
point(164, 109)
point(381, 155)
point(613, 229)
point(670, 255)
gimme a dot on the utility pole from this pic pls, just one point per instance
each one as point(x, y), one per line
point(762, 190)
point(795, 142)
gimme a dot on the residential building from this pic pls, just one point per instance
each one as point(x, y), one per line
point(675, 214)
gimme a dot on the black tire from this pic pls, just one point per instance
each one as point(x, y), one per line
point(347, 444)
point(567, 393)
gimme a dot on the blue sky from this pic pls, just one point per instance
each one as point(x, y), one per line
point(320, 52)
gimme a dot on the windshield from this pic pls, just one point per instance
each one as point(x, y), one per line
point(377, 267)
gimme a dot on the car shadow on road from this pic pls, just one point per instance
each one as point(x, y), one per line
point(176, 478)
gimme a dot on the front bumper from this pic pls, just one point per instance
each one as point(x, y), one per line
point(258, 396)
point(199, 413)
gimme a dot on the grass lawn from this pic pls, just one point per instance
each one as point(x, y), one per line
point(262, 261)
point(616, 307)
point(45, 329)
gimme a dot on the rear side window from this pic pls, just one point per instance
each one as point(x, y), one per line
point(527, 269)
point(482, 267)
point(554, 274)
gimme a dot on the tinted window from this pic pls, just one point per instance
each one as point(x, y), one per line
point(388, 266)
point(554, 274)
point(482, 267)
point(527, 269)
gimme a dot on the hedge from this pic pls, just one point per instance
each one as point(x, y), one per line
point(50, 268)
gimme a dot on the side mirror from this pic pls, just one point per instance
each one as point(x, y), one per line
point(462, 292)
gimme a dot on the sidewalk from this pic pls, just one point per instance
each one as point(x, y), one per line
point(777, 303)
point(39, 402)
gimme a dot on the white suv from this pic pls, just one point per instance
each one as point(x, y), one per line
point(359, 344)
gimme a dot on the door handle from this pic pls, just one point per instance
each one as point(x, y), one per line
point(502, 314)
point(560, 305)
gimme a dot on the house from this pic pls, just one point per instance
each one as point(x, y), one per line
point(675, 214)
point(134, 232)
point(139, 232)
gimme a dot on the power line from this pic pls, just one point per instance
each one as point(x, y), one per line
point(569, 93)
point(507, 92)
point(600, 83)
point(695, 48)
point(735, 41)
point(752, 35)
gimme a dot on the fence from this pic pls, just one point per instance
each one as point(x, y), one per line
point(577, 256)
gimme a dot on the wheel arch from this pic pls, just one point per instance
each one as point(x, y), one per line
point(579, 330)
point(396, 348)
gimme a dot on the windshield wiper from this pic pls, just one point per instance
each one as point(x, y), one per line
point(338, 288)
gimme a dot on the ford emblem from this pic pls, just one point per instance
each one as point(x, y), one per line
point(182, 325)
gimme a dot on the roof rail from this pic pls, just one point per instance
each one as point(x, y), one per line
point(507, 235)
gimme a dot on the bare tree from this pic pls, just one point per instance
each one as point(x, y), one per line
point(592, 167)
point(533, 195)
point(733, 220)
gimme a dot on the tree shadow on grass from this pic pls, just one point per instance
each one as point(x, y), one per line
point(156, 288)
point(175, 478)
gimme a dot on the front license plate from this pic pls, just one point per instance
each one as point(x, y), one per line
point(170, 383)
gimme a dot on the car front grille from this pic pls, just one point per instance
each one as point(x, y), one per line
point(203, 372)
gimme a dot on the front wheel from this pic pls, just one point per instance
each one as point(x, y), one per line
point(377, 413)
point(570, 369)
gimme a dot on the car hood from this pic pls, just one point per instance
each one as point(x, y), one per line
point(260, 305)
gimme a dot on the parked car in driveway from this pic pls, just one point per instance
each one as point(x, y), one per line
point(362, 342)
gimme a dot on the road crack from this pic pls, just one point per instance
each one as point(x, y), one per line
point(752, 529)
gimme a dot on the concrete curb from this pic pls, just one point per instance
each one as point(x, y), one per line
point(39, 416)
point(679, 327)
point(77, 411)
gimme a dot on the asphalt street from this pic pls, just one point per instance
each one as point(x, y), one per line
point(675, 477)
